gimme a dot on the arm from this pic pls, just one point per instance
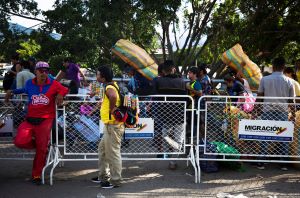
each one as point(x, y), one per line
point(84, 79)
point(61, 92)
point(9, 93)
point(61, 74)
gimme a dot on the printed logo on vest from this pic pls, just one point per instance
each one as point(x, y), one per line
point(40, 99)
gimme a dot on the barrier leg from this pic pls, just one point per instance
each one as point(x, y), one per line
point(192, 159)
point(198, 163)
point(50, 160)
point(56, 161)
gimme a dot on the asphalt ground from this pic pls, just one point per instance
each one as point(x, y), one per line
point(150, 179)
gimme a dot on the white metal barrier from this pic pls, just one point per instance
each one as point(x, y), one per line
point(266, 131)
point(172, 116)
point(11, 115)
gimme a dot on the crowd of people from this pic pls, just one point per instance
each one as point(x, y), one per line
point(44, 92)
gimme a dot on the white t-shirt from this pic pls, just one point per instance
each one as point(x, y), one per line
point(276, 85)
point(22, 77)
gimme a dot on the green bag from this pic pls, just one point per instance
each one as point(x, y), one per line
point(224, 148)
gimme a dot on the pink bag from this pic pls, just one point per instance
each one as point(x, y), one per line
point(248, 105)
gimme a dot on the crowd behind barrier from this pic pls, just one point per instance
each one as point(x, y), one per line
point(78, 131)
point(155, 134)
point(267, 133)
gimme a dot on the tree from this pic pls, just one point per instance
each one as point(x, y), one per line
point(89, 28)
point(9, 41)
point(28, 48)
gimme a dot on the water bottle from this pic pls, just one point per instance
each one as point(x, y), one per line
point(129, 100)
point(137, 104)
point(101, 91)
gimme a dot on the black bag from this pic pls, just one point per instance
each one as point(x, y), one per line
point(209, 166)
point(35, 121)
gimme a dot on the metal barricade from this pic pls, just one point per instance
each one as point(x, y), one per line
point(11, 115)
point(267, 132)
point(78, 120)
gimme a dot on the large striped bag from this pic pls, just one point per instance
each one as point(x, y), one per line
point(136, 57)
point(236, 59)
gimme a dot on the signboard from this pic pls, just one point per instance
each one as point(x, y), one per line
point(144, 129)
point(266, 130)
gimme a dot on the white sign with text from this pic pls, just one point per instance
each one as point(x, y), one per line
point(266, 130)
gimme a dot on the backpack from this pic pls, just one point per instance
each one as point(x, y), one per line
point(127, 112)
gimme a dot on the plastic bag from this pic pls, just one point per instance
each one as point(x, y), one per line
point(248, 105)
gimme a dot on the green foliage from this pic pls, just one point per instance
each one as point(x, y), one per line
point(28, 48)
point(291, 51)
point(55, 63)
point(265, 29)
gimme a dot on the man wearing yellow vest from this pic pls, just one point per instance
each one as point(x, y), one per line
point(110, 163)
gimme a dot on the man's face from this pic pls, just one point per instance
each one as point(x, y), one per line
point(42, 73)
point(192, 76)
point(100, 78)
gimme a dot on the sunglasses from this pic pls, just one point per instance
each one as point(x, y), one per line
point(41, 70)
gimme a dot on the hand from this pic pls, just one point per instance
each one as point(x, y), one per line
point(113, 110)
point(92, 94)
point(59, 99)
point(85, 84)
point(7, 96)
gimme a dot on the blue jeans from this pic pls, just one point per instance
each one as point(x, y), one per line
point(277, 116)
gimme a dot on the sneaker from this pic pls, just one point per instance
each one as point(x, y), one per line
point(283, 168)
point(107, 185)
point(96, 180)
point(260, 166)
point(36, 180)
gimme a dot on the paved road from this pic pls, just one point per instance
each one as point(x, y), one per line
point(149, 179)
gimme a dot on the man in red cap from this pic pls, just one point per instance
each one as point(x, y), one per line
point(34, 132)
